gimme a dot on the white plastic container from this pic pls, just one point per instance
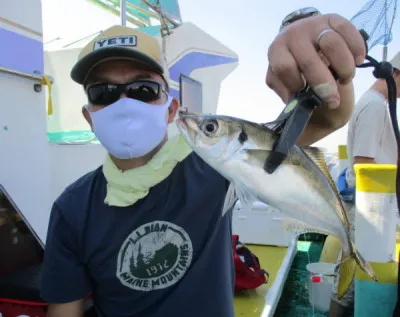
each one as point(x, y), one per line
point(320, 285)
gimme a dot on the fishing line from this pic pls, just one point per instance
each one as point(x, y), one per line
point(310, 284)
point(309, 277)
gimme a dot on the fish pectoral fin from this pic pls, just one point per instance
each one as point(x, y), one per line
point(230, 199)
point(245, 196)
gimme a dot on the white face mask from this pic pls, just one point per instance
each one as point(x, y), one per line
point(130, 128)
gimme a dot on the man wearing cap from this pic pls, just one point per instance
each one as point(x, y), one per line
point(144, 232)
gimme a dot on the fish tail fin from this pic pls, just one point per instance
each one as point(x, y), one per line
point(363, 264)
point(347, 270)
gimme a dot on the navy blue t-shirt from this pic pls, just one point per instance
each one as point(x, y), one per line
point(169, 254)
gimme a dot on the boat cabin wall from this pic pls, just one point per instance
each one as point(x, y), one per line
point(24, 150)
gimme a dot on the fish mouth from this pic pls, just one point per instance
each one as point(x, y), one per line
point(188, 127)
point(182, 127)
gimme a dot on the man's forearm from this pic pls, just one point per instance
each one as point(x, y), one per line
point(364, 160)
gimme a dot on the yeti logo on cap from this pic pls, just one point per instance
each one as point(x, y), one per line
point(115, 41)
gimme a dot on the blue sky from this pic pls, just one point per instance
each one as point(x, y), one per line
point(248, 30)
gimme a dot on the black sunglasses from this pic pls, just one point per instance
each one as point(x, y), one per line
point(106, 94)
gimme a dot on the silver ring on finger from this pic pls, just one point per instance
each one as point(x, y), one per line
point(323, 32)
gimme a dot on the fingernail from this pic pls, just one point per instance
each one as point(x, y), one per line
point(359, 60)
point(333, 103)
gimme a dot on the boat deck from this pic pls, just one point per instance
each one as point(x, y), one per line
point(251, 303)
point(277, 262)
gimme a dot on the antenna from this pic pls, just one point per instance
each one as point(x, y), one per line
point(51, 41)
point(124, 9)
point(165, 29)
point(82, 39)
point(123, 12)
point(163, 15)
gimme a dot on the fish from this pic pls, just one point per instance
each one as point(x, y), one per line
point(301, 187)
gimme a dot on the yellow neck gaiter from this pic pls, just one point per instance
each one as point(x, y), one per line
point(126, 188)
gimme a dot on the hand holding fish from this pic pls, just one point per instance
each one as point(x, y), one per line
point(301, 187)
point(295, 51)
point(304, 50)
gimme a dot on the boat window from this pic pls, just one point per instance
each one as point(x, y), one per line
point(191, 94)
point(19, 247)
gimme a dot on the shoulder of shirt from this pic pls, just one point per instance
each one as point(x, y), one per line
point(371, 100)
point(194, 166)
point(371, 97)
point(81, 187)
point(80, 191)
point(85, 182)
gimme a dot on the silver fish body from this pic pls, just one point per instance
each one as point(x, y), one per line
point(300, 191)
point(301, 187)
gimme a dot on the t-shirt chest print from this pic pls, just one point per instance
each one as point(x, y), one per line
point(154, 256)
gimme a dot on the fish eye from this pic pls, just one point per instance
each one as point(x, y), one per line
point(209, 126)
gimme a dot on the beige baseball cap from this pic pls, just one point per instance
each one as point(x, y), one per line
point(395, 61)
point(120, 42)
